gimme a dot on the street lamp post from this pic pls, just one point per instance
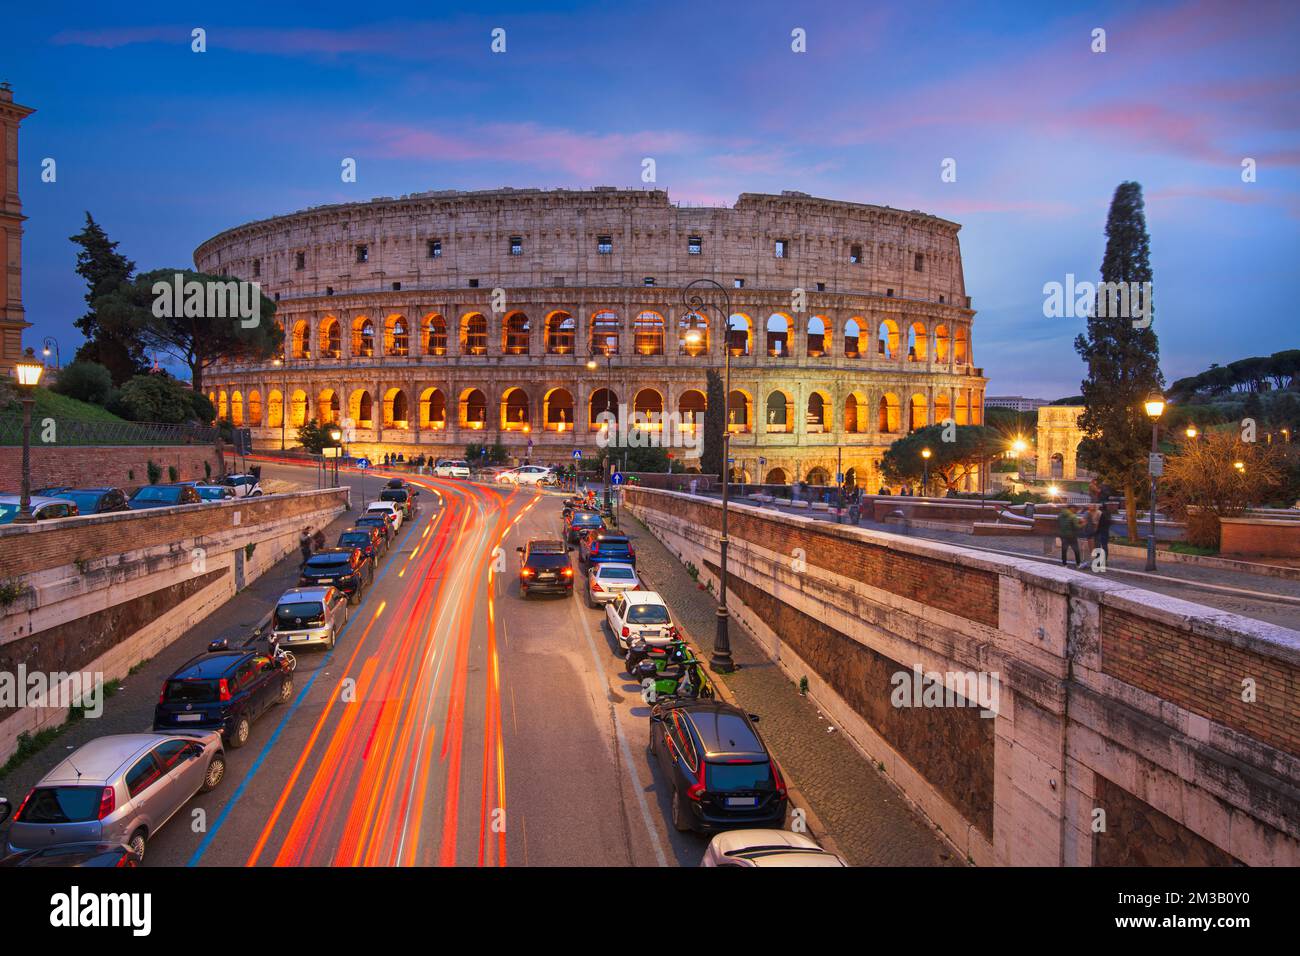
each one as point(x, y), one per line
point(336, 435)
point(1155, 407)
point(721, 659)
point(284, 399)
point(49, 343)
point(925, 482)
point(610, 344)
point(28, 371)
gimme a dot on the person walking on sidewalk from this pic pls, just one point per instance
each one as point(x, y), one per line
point(1101, 531)
point(1067, 525)
point(304, 544)
point(318, 539)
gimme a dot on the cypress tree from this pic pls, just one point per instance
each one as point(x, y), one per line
point(1123, 359)
point(104, 269)
point(715, 421)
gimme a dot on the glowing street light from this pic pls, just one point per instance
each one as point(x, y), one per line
point(1191, 431)
point(925, 484)
point(28, 370)
point(1155, 407)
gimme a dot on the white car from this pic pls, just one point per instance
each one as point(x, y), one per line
point(41, 508)
point(525, 475)
point(387, 507)
point(606, 581)
point(246, 486)
point(767, 848)
point(451, 469)
point(640, 614)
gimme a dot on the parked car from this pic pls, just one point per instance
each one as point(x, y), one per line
point(163, 496)
point(380, 523)
point(579, 520)
point(608, 579)
point(640, 614)
point(387, 508)
point(116, 855)
point(404, 498)
point(597, 546)
point(309, 616)
point(718, 770)
point(89, 501)
point(347, 569)
point(524, 475)
point(544, 566)
point(368, 539)
point(118, 789)
point(451, 469)
point(767, 848)
point(42, 508)
point(225, 690)
point(246, 486)
point(214, 493)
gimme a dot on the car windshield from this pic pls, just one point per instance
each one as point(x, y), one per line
point(328, 561)
point(355, 539)
point(587, 519)
point(543, 560)
point(739, 776)
point(618, 574)
point(647, 614)
point(62, 805)
point(298, 614)
point(157, 494)
point(393, 494)
point(371, 521)
point(190, 691)
point(607, 545)
point(87, 501)
point(7, 512)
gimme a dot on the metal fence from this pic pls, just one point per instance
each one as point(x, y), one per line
point(47, 430)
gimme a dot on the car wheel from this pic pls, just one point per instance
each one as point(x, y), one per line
point(239, 733)
point(136, 843)
point(355, 597)
point(286, 691)
point(215, 773)
point(329, 645)
point(681, 815)
point(523, 592)
point(591, 601)
point(256, 494)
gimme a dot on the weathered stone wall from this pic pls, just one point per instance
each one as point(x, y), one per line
point(1109, 698)
point(115, 466)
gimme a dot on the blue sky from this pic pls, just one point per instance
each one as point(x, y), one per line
point(167, 147)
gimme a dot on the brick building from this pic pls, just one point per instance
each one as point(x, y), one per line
point(850, 323)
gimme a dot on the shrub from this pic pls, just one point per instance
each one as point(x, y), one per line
point(154, 471)
point(173, 474)
point(86, 382)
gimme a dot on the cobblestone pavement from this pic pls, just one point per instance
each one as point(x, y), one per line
point(871, 823)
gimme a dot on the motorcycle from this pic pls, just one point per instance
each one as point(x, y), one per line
point(680, 677)
point(638, 650)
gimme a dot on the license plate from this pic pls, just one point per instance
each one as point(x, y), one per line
point(189, 716)
point(546, 577)
point(742, 801)
point(654, 633)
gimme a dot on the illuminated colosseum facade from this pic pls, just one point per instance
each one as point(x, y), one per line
point(393, 330)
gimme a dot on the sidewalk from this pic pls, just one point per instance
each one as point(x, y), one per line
point(868, 820)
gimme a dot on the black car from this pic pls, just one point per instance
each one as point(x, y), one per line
point(718, 769)
point(545, 566)
point(402, 497)
point(580, 520)
point(347, 569)
point(76, 854)
point(90, 501)
point(225, 689)
point(163, 496)
point(597, 546)
point(367, 539)
point(375, 520)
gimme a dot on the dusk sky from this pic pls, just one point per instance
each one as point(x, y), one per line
point(166, 147)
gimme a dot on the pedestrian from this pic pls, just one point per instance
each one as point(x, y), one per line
point(1067, 525)
point(883, 491)
point(318, 539)
point(304, 544)
point(1101, 534)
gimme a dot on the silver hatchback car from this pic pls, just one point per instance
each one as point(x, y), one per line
point(118, 789)
point(309, 616)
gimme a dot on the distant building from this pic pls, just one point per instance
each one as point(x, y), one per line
point(12, 319)
point(1017, 403)
point(1058, 442)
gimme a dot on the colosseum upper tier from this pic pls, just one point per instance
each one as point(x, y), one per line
point(425, 323)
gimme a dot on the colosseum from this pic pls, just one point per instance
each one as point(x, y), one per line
point(425, 323)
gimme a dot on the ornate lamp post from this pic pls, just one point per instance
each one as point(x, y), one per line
point(721, 659)
point(1191, 431)
point(336, 436)
point(28, 370)
point(1155, 407)
point(284, 399)
point(925, 482)
point(52, 343)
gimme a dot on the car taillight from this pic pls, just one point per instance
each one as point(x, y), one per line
point(223, 690)
point(107, 802)
point(780, 781)
point(595, 547)
point(526, 573)
point(567, 572)
point(23, 805)
point(626, 632)
point(697, 788)
point(595, 586)
point(162, 695)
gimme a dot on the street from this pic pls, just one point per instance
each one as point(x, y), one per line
point(453, 723)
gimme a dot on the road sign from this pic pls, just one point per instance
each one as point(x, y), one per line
point(839, 477)
point(616, 478)
point(577, 454)
point(1155, 464)
point(731, 461)
point(762, 461)
point(363, 463)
